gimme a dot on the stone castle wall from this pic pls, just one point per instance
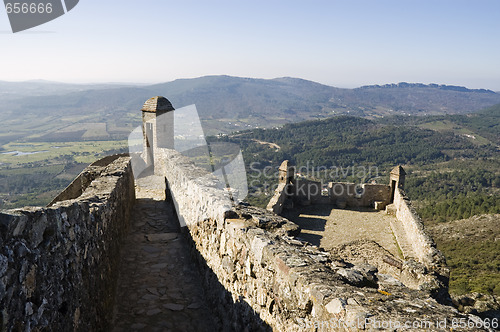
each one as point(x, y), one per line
point(423, 246)
point(58, 264)
point(83, 180)
point(259, 277)
point(197, 195)
point(355, 195)
point(304, 192)
point(277, 202)
point(424, 266)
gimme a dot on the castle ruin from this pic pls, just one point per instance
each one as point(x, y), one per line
point(59, 264)
point(418, 263)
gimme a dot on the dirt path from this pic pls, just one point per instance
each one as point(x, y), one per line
point(273, 145)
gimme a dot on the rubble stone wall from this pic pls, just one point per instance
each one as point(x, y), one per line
point(277, 202)
point(197, 195)
point(305, 192)
point(423, 245)
point(259, 277)
point(82, 181)
point(358, 195)
point(58, 264)
point(308, 191)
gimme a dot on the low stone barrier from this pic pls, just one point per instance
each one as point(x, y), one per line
point(83, 180)
point(305, 192)
point(58, 264)
point(277, 202)
point(423, 245)
point(259, 277)
point(358, 195)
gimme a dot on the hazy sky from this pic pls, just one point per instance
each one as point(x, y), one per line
point(339, 43)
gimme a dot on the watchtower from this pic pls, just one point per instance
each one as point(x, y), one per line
point(286, 173)
point(157, 126)
point(397, 179)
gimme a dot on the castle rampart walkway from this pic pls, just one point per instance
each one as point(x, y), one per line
point(159, 288)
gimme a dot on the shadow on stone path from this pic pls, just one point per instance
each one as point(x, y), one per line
point(327, 226)
point(159, 287)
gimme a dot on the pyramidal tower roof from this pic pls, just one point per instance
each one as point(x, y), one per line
point(157, 104)
point(398, 170)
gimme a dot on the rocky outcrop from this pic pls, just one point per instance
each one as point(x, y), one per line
point(484, 305)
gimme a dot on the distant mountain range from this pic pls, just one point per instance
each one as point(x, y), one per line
point(43, 88)
point(225, 103)
point(431, 86)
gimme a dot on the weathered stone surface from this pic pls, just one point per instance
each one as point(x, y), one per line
point(352, 276)
point(158, 288)
point(173, 306)
point(260, 278)
point(58, 264)
point(487, 306)
point(85, 178)
point(4, 264)
point(335, 306)
point(162, 237)
point(157, 104)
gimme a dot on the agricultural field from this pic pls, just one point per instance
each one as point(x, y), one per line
point(447, 125)
point(33, 173)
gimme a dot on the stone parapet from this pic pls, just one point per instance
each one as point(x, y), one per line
point(423, 245)
point(260, 277)
point(277, 202)
point(58, 264)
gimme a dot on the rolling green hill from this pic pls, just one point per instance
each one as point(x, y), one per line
point(486, 123)
point(225, 103)
point(453, 174)
point(46, 115)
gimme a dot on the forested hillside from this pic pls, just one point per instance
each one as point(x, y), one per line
point(453, 165)
point(486, 123)
point(450, 175)
point(225, 104)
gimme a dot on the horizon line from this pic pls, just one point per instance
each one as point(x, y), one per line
point(139, 83)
